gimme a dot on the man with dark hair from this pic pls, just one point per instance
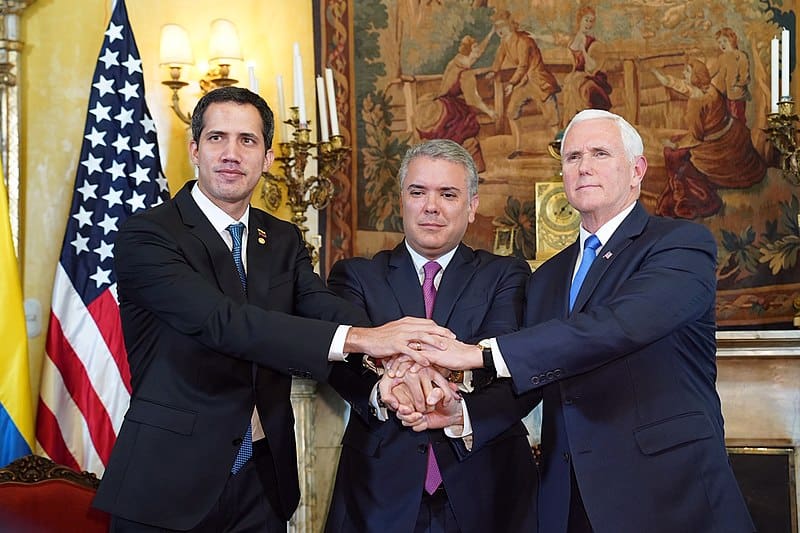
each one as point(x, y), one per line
point(220, 306)
point(479, 475)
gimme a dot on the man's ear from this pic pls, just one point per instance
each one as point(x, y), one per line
point(473, 208)
point(639, 169)
point(269, 157)
point(193, 152)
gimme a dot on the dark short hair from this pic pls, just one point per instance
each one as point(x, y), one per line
point(238, 95)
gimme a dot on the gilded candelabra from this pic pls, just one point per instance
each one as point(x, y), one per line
point(215, 78)
point(304, 191)
point(782, 133)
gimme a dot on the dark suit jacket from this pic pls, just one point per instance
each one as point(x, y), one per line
point(629, 384)
point(379, 482)
point(192, 335)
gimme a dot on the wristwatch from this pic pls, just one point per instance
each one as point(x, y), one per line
point(488, 359)
point(456, 376)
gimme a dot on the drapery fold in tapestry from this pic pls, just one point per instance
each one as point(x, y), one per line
point(503, 78)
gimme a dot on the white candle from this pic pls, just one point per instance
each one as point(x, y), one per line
point(785, 62)
point(774, 73)
point(251, 73)
point(282, 109)
point(323, 109)
point(299, 90)
point(334, 112)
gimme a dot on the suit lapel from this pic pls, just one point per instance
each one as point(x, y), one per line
point(567, 258)
point(631, 227)
point(455, 279)
point(258, 267)
point(207, 239)
point(404, 281)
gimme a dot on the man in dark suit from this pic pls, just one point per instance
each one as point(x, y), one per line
point(382, 483)
point(632, 435)
point(212, 298)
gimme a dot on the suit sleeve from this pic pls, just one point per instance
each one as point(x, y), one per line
point(496, 408)
point(156, 279)
point(351, 380)
point(314, 300)
point(671, 286)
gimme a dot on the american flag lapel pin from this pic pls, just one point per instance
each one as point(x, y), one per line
point(262, 236)
point(608, 255)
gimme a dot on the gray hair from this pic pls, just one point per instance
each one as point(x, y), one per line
point(446, 150)
point(631, 140)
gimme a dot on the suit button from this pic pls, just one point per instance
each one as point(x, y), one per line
point(422, 448)
point(566, 457)
point(535, 380)
point(237, 442)
point(558, 372)
point(567, 401)
point(550, 376)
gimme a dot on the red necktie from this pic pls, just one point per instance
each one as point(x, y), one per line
point(433, 477)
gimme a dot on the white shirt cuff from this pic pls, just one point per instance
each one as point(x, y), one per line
point(467, 424)
point(466, 385)
point(336, 353)
point(500, 365)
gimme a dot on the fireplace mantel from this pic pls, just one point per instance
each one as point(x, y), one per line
point(769, 343)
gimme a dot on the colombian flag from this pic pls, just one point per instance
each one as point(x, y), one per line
point(16, 415)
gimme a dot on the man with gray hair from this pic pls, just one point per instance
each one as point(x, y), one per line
point(481, 475)
point(619, 339)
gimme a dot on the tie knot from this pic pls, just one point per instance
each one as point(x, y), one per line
point(592, 243)
point(431, 268)
point(236, 231)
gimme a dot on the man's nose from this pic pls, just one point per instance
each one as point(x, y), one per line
point(585, 164)
point(432, 203)
point(231, 152)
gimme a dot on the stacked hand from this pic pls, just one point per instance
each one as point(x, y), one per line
point(416, 354)
point(449, 353)
point(422, 397)
point(406, 336)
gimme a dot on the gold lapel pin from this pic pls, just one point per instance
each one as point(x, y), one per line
point(262, 236)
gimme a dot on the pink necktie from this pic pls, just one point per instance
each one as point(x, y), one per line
point(433, 477)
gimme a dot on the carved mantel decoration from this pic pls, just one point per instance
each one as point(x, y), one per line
point(10, 51)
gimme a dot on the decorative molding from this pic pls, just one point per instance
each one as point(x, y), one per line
point(778, 343)
point(10, 51)
point(34, 469)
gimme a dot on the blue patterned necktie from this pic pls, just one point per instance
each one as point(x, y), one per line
point(236, 231)
point(433, 476)
point(589, 253)
point(246, 449)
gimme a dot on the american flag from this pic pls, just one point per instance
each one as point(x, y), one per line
point(85, 387)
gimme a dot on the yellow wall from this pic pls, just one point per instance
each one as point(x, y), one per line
point(62, 42)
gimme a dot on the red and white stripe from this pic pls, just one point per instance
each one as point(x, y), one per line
point(85, 387)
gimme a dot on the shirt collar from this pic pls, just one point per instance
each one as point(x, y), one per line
point(607, 230)
point(419, 260)
point(218, 218)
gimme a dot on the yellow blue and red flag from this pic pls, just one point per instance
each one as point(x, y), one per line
point(16, 413)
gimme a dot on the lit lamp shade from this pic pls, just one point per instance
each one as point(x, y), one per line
point(223, 46)
point(175, 49)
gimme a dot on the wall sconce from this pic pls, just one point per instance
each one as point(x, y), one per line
point(176, 53)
